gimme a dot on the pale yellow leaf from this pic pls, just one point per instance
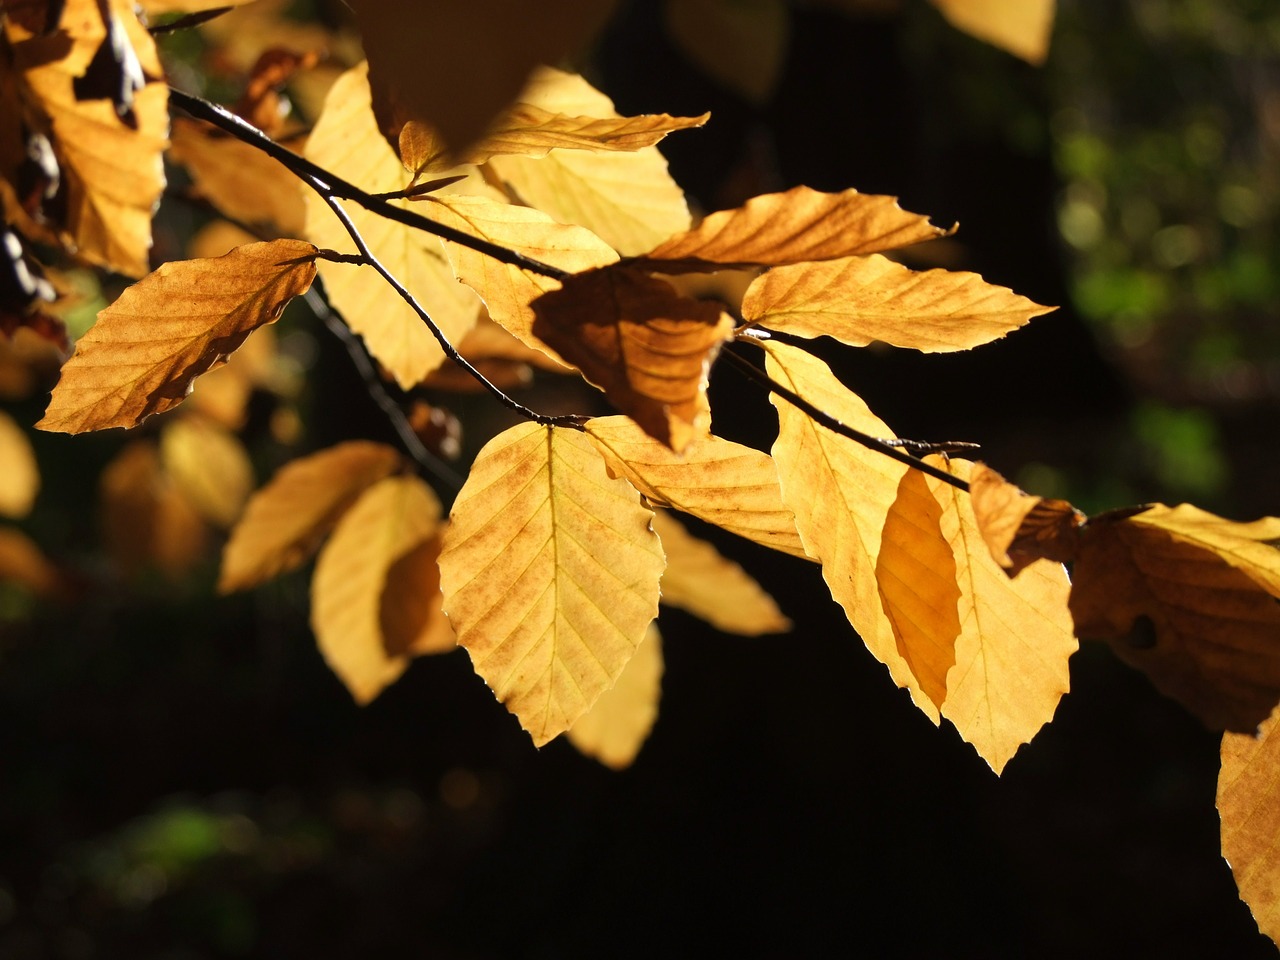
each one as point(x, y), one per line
point(347, 141)
point(1249, 806)
point(715, 480)
point(390, 519)
point(209, 465)
point(146, 520)
point(740, 43)
point(19, 475)
point(286, 520)
point(858, 300)
point(617, 725)
point(701, 581)
point(1021, 27)
point(550, 574)
point(182, 320)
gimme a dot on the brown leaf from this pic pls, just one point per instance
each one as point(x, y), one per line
point(182, 320)
point(410, 613)
point(20, 476)
point(1018, 528)
point(798, 225)
point(1022, 27)
point(1249, 807)
point(859, 300)
point(741, 45)
point(147, 522)
point(285, 521)
point(649, 349)
point(617, 725)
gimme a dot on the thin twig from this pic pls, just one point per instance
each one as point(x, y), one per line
point(190, 20)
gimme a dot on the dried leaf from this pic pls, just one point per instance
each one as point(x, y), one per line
point(20, 477)
point(799, 225)
point(743, 45)
point(1022, 27)
point(648, 348)
point(24, 563)
point(1018, 528)
point(147, 522)
point(1249, 806)
point(716, 480)
point(701, 581)
point(617, 725)
point(286, 520)
point(390, 519)
point(210, 467)
point(146, 349)
point(550, 574)
point(858, 300)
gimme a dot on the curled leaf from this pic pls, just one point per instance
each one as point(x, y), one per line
point(1018, 528)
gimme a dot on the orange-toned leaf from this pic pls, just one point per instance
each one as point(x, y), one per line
point(286, 520)
point(390, 519)
point(146, 520)
point(617, 725)
point(858, 300)
point(550, 574)
point(209, 465)
point(410, 613)
point(714, 479)
point(798, 225)
point(1018, 528)
point(1022, 27)
point(24, 563)
point(146, 349)
point(701, 581)
point(1249, 806)
point(20, 476)
point(648, 348)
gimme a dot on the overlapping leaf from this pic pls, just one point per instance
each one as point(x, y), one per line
point(858, 300)
point(146, 349)
point(1249, 805)
point(617, 725)
point(1020, 529)
point(550, 574)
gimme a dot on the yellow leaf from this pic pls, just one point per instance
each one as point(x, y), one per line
point(1020, 529)
point(390, 519)
point(112, 168)
point(410, 612)
point(24, 563)
point(146, 520)
point(699, 580)
point(741, 43)
point(648, 348)
point(210, 467)
point(715, 480)
point(286, 520)
point(1249, 806)
point(1022, 27)
point(346, 141)
point(858, 300)
point(182, 320)
point(798, 225)
point(1015, 636)
point(550, 574)
point(616, 727)
point(20, 477)
point(627, 199)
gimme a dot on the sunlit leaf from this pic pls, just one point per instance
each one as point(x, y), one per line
point(147, 522)
point(858, 300)
point(390, 519)
point(209, 465)
point(550, 574)
point(714, 479)
point(701, 581)
point(20, 476)
point(617, 725)
point(146, 349)
point(1022, 27)
point(286, 520)
point(1249, 806)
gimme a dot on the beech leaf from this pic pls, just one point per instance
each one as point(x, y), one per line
point(147, 521)
point(209, 465)
point(617, 725)
point(858, 300)
point(286, 520)
point(550, 574)
point(1249, 807)
point(411, 610)
point(1021, 27)
point(147, 348)
point(1018, 528)
point(20, 478)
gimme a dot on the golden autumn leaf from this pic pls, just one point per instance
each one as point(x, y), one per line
point(146, 520)
point(286, 520)
point(617, 725)
point(858, 300)
point(444, 68)
point(391, 518)
point(410, 611)
point(550, 574)
point(108, 141)
point(346, 141)
point(799, 225)
point(1021, 27)
point(1249, 807)
point(20, 476)
point(701, 581)
point(209, 465)
point(147, 348)
point(627, 199)
point(24, 563)
point(648, 348)
point(1018, 528)
point(716, 480)
point(742, 45)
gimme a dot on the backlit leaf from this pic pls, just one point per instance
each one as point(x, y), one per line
point(1018, 528)
point(701, 581)
point(410, 612)
point(1249, 806)
point(550, 574)
point(20, 476)
point(147, 521)
point(648, 348)
point(714, 479)
point(390, 519)
point(617, 725)
point(1022, 27)
point(286, 520)
point(209, 465)
point(858, 300)
point(182, 320)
